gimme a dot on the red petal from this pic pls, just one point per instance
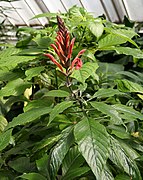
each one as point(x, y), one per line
point(81, 52)
point(71, 48)
point(56, 49)
point(77, 62)
point(59, 47)
point(54, 61)
point(67, 40)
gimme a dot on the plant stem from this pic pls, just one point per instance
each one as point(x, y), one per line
point(75, 97)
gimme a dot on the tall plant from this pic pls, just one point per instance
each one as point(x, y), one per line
point(64, 114)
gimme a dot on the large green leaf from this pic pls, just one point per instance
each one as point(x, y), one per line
point(12, 61)
point(107, 175)
point(76, 172)
point(111, 40)
point(87, 70)
point(93, 143)
point(5, 138)
point(128, 86)
point(28, 116)
point(109, 111)
point(102, 93)
point(137, 53)
point(42, 165)
point(122, 177)
point(57, 93)
point(6, 75)
point(8, 52)
point(123, 33)
point(96, 28)
point(38, 103)
point(59, 151)
point(47, 141)
point(122, 160)
point(22, 165)
point(15, 87)
point(72, 160)
point(32, 176)
point(33, 72)
point(128, 113)
point(59, 108)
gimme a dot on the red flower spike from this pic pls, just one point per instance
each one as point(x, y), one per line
point(63, 47)
point(54, 61)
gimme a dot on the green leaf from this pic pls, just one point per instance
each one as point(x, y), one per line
point(33, 72)
point(28, 116)
point(74, 173)
point(10, 59)
point(71, 165)
point(122, 177)
point(96, 28)
point(24, 42)
point(126, 34)
point(29, 30)
point(72, 161)
point(119, 132)
point(134, 155)
point(111, 40)
point(128, 86)
point(8, 52)
point(5, 138)
point(60, 150)
point(39, 103)
point(15, 88)
point(31, 51)
point(103, 93)
point(43, 42)
point(87, 70)
point(109, 111)
point(128, 112)
point(57, 93)
point(42, 165)
point(89, 55)
point(77, 13)
point(22, 165)
point(59, 108)
point(137, 53)
point(47, 141)
point(107, 175)
point(3, 123)
point(93, 143)
point(6, 75)
point(32, 176)
point(119, 157)
point(7, 175)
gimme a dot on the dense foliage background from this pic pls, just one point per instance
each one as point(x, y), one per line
point(87, 127)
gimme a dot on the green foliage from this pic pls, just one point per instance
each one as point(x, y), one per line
point(84, 125)
point(93, 144)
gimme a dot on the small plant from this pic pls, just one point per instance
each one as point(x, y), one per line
point(71, 106)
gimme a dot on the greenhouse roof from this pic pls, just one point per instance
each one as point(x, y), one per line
point(20, 12)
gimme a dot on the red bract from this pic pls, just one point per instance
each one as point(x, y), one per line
point(63, 49)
